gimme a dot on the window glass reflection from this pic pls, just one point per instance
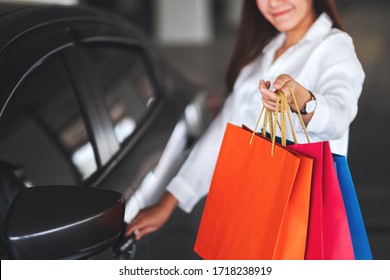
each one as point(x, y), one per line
point(125, 83)
point(43, 131)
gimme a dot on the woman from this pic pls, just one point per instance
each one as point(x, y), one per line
point(281, 44)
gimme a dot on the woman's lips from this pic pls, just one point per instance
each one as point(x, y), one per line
point(281, 13)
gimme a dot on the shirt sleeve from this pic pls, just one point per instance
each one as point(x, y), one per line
point(337, 89)
point(193, 179)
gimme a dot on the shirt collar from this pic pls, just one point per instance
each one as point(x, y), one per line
point(319, 29)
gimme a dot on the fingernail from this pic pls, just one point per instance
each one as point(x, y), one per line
point(277, 85)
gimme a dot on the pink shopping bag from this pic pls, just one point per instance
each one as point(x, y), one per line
point(328, 231)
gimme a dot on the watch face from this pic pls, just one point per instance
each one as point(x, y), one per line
point(311, 106)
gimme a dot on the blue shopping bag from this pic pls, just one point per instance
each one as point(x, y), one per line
point(361, 246)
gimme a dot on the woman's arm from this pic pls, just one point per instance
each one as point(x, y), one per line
point(335, 76)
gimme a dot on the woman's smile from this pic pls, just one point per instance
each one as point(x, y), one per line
point(279, 14)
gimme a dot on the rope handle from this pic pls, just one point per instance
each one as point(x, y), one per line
point(299, 113)
point(271, 119)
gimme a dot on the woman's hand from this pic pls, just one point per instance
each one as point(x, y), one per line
point(285, 83)
point(152, 218)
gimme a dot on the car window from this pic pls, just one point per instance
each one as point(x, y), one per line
point(43, 131)
point(125, 82)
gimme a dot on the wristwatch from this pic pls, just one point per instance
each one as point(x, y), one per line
point(309, 106)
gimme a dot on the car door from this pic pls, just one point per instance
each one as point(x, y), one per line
point(114, 73)
point(128, 84)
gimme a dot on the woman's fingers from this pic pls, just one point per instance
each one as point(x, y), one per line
point(144, 231)
point(146, 219)
point(264, 84)
point(268, 97)
point(149, 219)
point(282, 80)
point(285, 83)
point(152, 218)
point(135, 225)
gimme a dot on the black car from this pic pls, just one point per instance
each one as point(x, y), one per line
point(89, 109)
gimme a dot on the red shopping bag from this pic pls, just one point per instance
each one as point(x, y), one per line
point(251, 194)
point(328, 232)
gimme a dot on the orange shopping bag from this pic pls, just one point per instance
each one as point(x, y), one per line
point(258, 203)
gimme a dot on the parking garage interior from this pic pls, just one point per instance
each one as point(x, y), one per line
point(199, 36)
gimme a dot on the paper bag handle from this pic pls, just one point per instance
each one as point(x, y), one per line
point(271, 119)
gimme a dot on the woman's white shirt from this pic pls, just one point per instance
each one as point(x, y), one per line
point(324, 61)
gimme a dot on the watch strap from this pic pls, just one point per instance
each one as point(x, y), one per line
point(303, 111)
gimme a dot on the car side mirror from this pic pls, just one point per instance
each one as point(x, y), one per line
point(63, 222)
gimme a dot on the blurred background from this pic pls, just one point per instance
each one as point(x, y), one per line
point(199, 36)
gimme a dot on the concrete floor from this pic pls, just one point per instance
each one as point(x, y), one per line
point(369, 152)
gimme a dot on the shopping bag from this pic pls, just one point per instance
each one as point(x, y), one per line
point(328, 235)
point(291, 242)
point(328, 231)
point(361, 246)
point(250, 196)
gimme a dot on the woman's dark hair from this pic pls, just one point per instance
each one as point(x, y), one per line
point(255, 32)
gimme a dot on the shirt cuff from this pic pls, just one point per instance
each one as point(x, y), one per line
point(184, 194)
point(133, 206)
point(320, 117)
